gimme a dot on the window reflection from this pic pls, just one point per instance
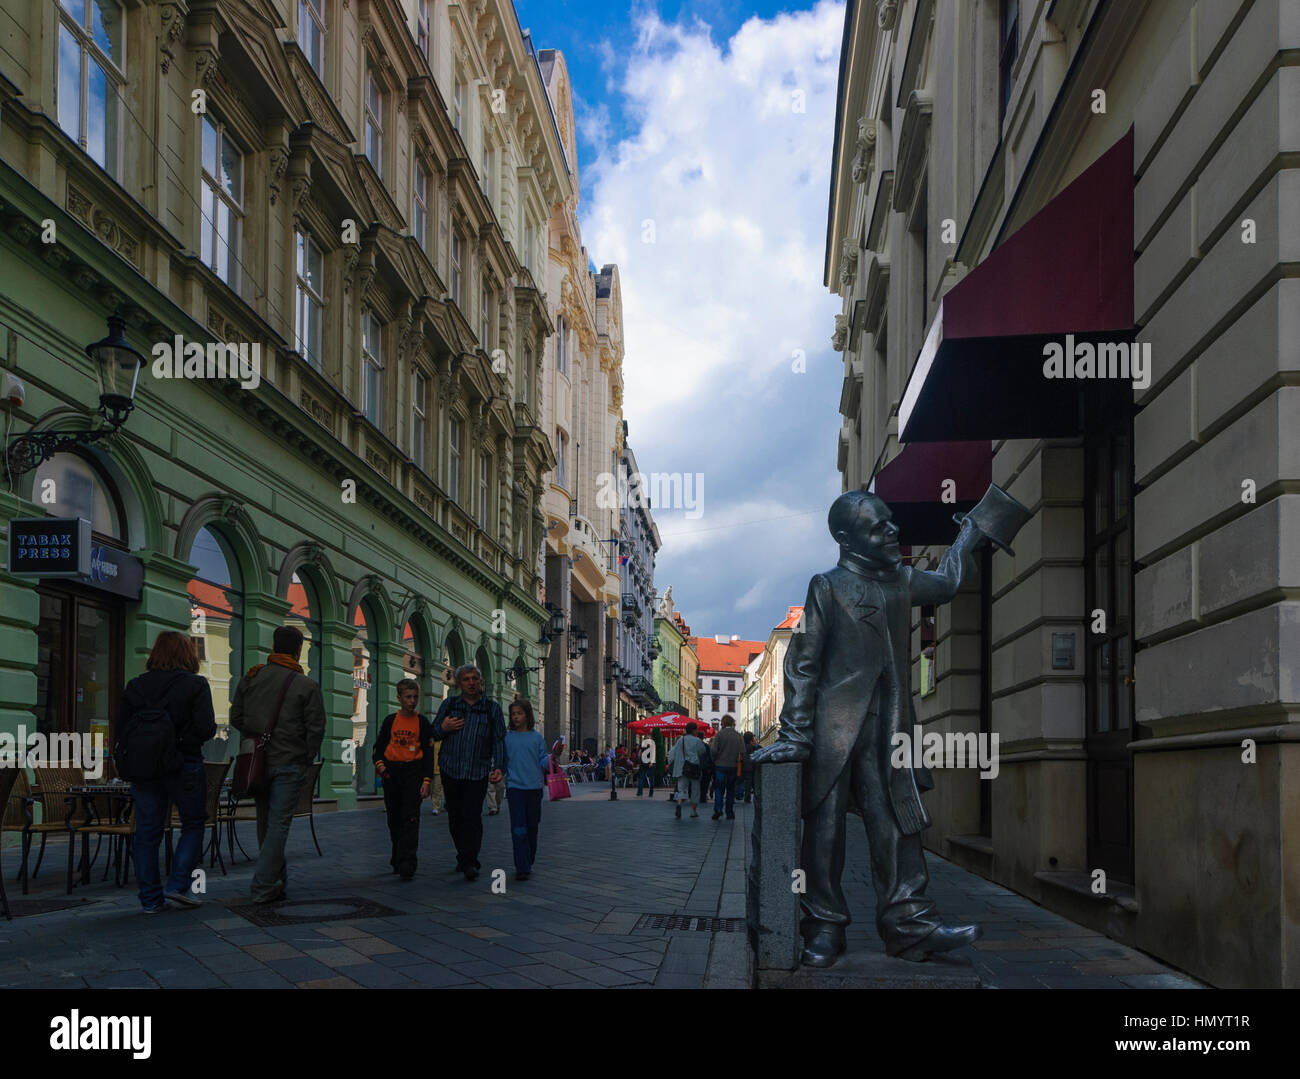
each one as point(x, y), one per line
point(216, 624)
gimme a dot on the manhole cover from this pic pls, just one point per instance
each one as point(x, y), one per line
point(302, 911)
point(689, 922)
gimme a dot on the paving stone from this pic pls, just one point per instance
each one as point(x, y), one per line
point(329, 983)
point(232, 964)
point(123, 979)
point(300, 970)
point(264, 952)
point(377, 976)
point(336, 957)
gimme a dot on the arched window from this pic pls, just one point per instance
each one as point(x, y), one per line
point(217, 625)
point(484, 663)
point(413, 665)
point(69, 485)
point(305, 613)
point(453, 655)
point(364, 698)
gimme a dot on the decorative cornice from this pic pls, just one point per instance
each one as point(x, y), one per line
point(866, 149)
point(840, 336)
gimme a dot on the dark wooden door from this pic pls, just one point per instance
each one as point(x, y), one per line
point(79, 661)
point(1108, 633)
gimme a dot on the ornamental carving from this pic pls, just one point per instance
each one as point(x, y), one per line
point(377, 461)
point(205, 64)
point(866, 149)
point(277, 163)
point(848, 261)
point(173, 26)
point(104, 225)
point(318, 411)
point(317, 112)
point(840, 337)
point(887, 14)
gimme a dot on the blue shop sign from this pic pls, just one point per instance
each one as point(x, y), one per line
point(49, 547)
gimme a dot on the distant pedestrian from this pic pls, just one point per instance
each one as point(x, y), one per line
point(684, 765)
point(472, 731)
point(646, 771)
point(404, 761)
point(277, 693)
point(527, 762)
point(727, 751)
point(496, 794)
point(706, 771)
point(165, 717)
point(746, 788)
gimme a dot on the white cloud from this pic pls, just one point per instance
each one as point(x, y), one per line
point(735, 182)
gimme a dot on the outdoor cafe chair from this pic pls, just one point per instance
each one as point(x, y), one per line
point(120, 830)
point(8, 780)
point(234, 811)
point(58, 813)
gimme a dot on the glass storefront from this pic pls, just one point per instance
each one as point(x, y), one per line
point(217, 626)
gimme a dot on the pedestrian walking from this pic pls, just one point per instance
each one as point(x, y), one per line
point(706, 771)
point(746, 787)
point(165, 717)
point(404, 761)
point(527, 762)
point(727, 750)
point(472, 731)
point(646, 772)
point(684, 766)
point(496, 794)
point(277, 696)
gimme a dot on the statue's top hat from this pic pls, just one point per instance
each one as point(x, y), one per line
point(998, 516)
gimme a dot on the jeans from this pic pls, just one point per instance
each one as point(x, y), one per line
point(525, 815)
point(187, 791)
point(465, 817)
point(274, 816)
point(724, 783)
point(646, 775)
point(402, 782)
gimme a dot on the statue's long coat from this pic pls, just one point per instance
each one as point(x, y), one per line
point(856, 646)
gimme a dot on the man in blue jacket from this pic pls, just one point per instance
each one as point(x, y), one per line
point(472, 731)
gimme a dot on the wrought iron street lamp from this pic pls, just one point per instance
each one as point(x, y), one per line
point(117, 369)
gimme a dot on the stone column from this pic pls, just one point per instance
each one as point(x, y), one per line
point(337, 750)
point(20, 609)
point(164, 604)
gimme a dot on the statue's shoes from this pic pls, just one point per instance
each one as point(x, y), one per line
point(943, 939)
point(823, 947)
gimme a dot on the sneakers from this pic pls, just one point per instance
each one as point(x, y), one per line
point(184, 899)
point(435, 812)
point(471, 873)
point(158, 909)
point(717, 816)
point(522, 876)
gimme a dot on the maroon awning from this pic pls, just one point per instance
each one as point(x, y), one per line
point(1068, 270)
point(928, 482)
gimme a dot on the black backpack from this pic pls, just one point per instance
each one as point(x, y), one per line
point(147, 746)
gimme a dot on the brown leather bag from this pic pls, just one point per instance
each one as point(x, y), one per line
point(249, 779)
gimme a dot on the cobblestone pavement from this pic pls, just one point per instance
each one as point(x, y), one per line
point(602, 866)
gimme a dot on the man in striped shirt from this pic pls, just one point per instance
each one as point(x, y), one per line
point(472, 733)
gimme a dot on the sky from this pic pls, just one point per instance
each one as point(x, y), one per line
point(705, 140)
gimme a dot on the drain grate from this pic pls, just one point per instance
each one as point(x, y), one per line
point(304, 911)
point(689, 922)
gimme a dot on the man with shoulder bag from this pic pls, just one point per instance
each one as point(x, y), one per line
point(281, 714)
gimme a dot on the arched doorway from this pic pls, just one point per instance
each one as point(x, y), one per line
point(415, 646)
point(80, 630)
point(217, 626)
point(305, 613)
point(453, 655)
point(367, 694)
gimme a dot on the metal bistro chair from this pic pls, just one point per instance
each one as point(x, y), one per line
point(120, 831)
point(215, 775)
point(58, 814)
point(306, 802)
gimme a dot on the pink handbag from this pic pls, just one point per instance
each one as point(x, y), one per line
point(557, 783)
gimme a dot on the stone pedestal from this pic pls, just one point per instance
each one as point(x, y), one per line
point(771, 903)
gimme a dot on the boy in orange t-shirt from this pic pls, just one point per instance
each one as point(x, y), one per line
point(404, 760)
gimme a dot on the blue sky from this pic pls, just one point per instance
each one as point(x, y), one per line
point(713, 122)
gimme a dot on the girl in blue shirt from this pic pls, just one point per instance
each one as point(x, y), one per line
point(527, 762)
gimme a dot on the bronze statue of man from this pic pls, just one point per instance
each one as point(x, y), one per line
point(847, 691)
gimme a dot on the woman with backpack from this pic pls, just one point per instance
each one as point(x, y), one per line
point(684, 766)
point(165, 717)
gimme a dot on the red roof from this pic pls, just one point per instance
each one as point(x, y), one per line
point(729, 658)
point(792, 618)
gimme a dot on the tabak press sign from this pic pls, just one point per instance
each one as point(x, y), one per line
point(49, 547)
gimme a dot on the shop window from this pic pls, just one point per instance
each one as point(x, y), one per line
point(305, 613)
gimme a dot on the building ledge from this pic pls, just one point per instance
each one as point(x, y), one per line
point(1079, 886)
